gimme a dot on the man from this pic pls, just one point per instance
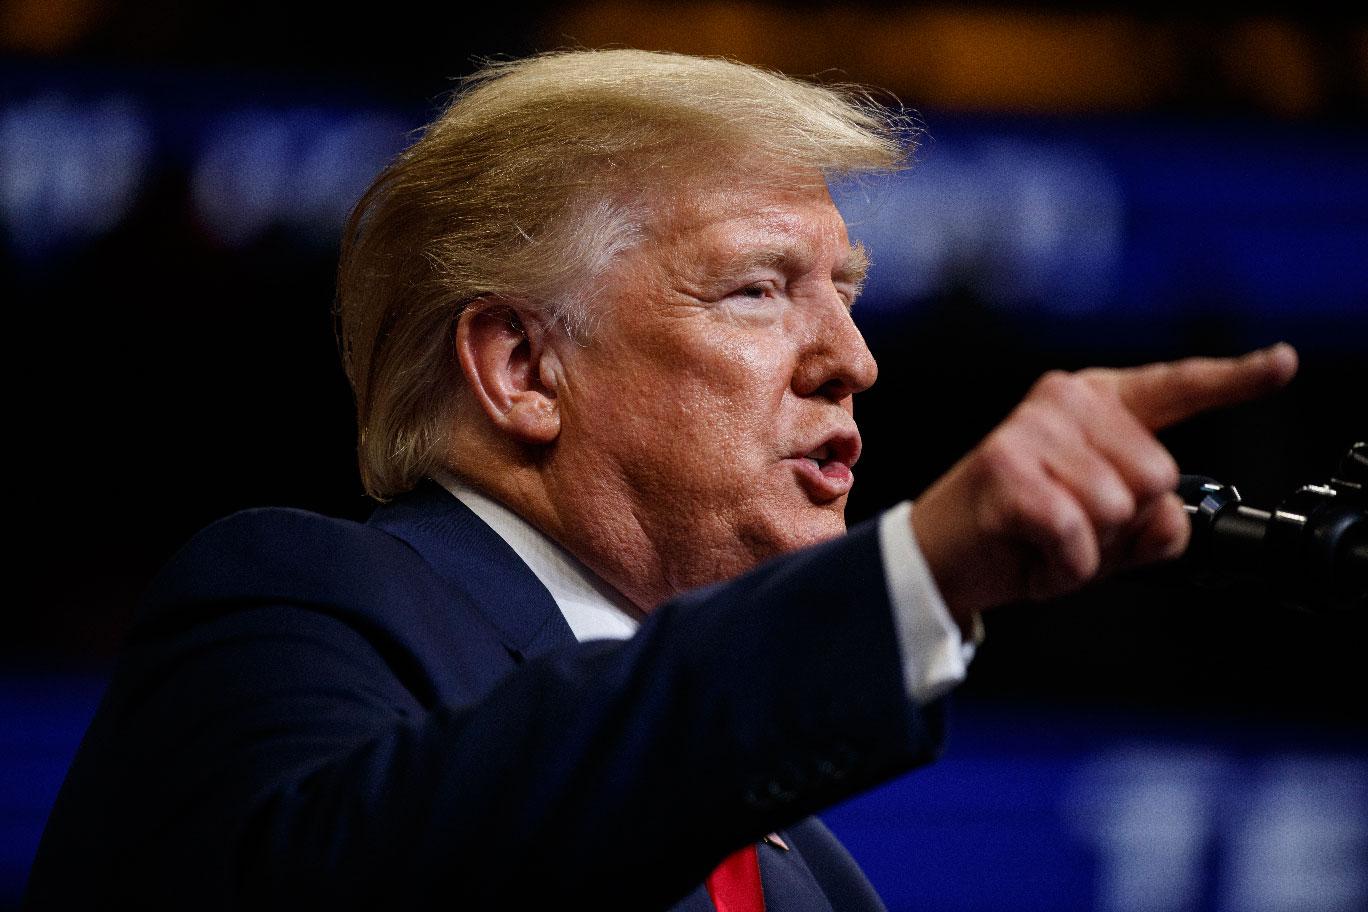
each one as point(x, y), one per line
point(598, 325)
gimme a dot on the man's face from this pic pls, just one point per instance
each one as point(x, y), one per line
point(708, 425)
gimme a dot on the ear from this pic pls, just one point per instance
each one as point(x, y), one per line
point(504, 360)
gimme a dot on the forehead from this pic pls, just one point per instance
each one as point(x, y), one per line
point(714, 221)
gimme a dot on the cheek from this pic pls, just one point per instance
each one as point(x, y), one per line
point(735, 397)
point(746, 365)
point(697, 405)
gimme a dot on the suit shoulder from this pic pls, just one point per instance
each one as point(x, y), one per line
point(285, 555)
point(316, 572)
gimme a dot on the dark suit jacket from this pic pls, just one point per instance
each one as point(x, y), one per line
point(315, 713)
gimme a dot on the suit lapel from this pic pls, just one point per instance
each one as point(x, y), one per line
point(790, 885)
point(472, 558)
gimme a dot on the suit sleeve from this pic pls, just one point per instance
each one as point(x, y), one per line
point(272, 756)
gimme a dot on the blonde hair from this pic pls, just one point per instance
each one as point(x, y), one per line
point(530, 182)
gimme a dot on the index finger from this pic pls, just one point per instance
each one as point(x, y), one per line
point(1163, 394)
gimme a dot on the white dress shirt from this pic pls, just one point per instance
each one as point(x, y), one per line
point(934, 655)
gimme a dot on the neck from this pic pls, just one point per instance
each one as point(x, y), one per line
point(582, 512)
point(593, 608)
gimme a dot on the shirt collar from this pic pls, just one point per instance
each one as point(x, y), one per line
point(593, 609)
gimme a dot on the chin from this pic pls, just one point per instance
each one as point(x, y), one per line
point(812, 526)
point(828, 525)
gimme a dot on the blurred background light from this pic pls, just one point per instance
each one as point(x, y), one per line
point(69, 169)
point(301, 169)
point(1149, 815)
point(1021, 220)
point(1300, 838)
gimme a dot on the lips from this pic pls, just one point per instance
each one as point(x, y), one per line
point(824, 471)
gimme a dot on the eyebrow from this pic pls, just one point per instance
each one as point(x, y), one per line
point(856, 266)
point(852, 269)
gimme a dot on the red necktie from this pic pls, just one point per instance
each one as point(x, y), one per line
point(735, 885)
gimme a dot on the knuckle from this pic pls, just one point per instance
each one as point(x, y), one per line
point(1097, 379)
point(1042, 424)
point(1058, 385)
point(1116, 504)
point(1076, 542)
point(1167, 472)
point(1160, 472)
point(1165, 532)
point(1106, 394)
point(1001, 454)
point(1064, 525)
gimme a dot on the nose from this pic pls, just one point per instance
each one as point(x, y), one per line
point(834, 363)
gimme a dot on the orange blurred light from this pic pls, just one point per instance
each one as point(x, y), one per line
point(1275, 63)
point(47, 26)
point(970, 59)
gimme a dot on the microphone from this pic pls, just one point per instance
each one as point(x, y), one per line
point(1312, 547)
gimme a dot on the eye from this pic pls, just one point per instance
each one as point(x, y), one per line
point(848, 291)
point(755, 291)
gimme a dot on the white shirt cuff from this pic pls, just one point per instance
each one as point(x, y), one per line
point(935, 657)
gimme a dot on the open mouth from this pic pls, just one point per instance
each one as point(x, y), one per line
point(821, 456)
point(824, 471)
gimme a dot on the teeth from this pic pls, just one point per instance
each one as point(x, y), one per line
point(821, 454)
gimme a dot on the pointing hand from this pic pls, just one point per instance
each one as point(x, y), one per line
point(1073, 484)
